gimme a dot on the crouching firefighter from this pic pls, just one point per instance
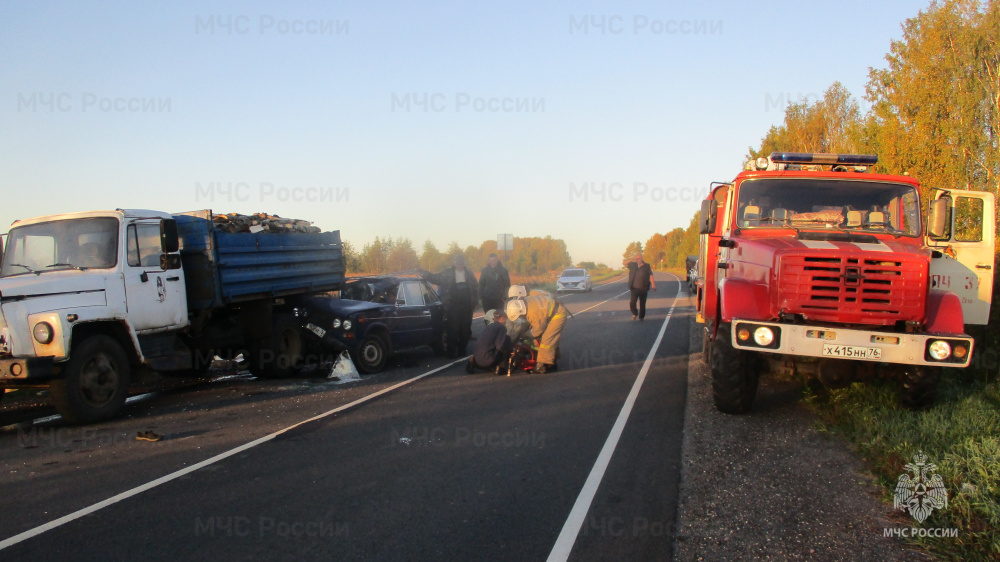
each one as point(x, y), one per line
point(493, 344)
point(546, 317)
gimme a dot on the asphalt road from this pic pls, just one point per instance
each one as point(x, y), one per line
point(583, 462)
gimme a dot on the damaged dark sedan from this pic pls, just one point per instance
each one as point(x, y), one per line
point(376, 317)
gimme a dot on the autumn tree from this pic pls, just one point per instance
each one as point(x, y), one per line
point(431, 258)
point(936, 107)
point(631, 251)
point(831, 124)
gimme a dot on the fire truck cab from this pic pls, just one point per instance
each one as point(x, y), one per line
point(811, 265)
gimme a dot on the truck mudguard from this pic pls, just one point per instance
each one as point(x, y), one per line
point(740, 298)
point(944, 313)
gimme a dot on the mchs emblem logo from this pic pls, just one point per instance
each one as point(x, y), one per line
point(918, 491)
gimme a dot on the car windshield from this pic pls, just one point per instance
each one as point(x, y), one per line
point(371, 290)
point(64, 244)
point(835, 204)
point(573, 273)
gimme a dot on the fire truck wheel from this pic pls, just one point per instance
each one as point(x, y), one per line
point(734, 375)
point(95, 383)
point(919, 386)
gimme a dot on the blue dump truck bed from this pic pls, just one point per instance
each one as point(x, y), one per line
point(223, 268)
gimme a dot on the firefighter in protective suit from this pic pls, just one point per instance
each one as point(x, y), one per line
point(546, 316)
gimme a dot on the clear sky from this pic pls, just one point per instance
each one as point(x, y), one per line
point(599, 123)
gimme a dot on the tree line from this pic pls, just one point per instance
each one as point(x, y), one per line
point(530, 256)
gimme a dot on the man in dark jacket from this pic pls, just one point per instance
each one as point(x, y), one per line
point(640, 281)
point(493, 344)
point(459, 296)
point(493, 284)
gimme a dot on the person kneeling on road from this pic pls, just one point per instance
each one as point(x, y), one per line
point(546, 316)
point(492, 346)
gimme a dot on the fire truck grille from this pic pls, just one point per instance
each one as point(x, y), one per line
point(853, 289)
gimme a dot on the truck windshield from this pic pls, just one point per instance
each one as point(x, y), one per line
point(815, 203)
point(64, 244)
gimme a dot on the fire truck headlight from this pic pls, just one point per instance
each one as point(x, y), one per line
point(43, 333)
point(939, 350)
point(764, 336)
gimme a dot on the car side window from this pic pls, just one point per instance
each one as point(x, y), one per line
point(430, 295)
point(409, 294)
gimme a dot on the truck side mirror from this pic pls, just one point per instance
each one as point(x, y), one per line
point(937, 218)
point(169, 241)
point(170, 261)
point(709, 212)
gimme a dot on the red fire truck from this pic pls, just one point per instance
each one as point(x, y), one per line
point(811, 265)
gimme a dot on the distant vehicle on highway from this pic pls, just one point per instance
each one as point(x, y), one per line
point(574, 279)
point(376, 317)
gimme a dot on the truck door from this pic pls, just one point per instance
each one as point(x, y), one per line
point(155, 298)
point(966, 268)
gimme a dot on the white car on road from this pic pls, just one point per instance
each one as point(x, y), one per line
point(575, 279)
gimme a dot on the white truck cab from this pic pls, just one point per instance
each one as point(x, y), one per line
point(96, 282)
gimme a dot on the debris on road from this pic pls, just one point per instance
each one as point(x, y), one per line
point(344, 370)
point(147, 436)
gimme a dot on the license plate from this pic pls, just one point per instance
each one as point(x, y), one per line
point(315, 329)
point(852, 352)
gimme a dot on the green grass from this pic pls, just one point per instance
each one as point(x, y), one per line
point(960, 434)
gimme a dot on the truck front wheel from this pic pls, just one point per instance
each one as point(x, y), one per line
point(734, 374)
point(95, 382)
point(918, 386)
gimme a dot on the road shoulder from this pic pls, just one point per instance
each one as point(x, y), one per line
point(769, 485)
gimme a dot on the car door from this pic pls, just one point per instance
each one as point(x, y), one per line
point(436, 308)
point(966, 264)
point(413, 318)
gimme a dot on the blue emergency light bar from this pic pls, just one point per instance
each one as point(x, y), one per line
point(821, 158)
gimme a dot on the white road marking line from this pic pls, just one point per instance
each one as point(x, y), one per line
point(187, 470)
point(567, 537)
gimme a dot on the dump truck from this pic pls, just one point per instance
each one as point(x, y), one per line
point(811, 265)
point(87, 299)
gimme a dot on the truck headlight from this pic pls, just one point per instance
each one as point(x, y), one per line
point(42, 333)
point(336, 323)
point(764, 336)
point(347, 324)
point(939, 350)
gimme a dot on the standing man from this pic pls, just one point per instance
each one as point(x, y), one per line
point(640, 281)
point(493, 284)
point(459, 295)
point(546, 317)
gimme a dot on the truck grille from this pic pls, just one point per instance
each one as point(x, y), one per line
point(855, 290)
